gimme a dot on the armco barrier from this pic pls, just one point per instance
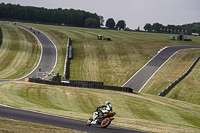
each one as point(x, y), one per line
point(67, 59)
point(170, 87)
point(78, 83)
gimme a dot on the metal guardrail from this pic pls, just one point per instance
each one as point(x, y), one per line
point(170, 87)
point(67, 59)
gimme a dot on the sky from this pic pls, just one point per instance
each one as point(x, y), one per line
point(136, 13)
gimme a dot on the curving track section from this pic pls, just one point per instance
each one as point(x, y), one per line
point(140, 78)
point(47, 62)
point(48, 58)
point(36, 117)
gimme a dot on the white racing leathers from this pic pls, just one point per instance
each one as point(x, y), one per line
point(108, 108)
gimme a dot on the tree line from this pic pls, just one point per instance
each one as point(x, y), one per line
point(175, 29)
point(110, 23)
point(69, 17)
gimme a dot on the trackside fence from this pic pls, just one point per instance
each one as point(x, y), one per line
point(84, 84)
point(76, 83)
point(170, 87)
point(67, 59)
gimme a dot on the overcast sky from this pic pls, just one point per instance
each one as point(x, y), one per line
point(136, 13)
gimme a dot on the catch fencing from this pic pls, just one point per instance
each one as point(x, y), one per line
point(170, 87)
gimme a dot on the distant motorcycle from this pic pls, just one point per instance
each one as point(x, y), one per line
point(104, 120)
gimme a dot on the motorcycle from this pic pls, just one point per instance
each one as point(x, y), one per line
point(104, 120)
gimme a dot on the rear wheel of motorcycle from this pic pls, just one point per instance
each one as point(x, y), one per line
point(106, 122)
point(89, 121)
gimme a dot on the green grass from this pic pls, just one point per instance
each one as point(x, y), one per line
point(14, 126)
point(142, 111)
point(188, 89)
point(19, 52)
point(112, 62)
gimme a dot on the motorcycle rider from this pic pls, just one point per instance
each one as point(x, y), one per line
point(108, 108)
point(100, 113)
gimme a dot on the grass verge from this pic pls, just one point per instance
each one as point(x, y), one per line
point(142, 111)
point(14, 126)
point(19, 52)
point(188, 89)
point(112, 62)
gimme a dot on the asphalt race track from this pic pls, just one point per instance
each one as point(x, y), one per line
point(139, 80)
point(35, 117)
point(48, 57)
point(47, 63)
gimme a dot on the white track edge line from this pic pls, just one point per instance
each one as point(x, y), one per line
point(142, 68)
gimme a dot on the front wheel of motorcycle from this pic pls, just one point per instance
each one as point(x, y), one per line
point(89, 121)
point(106, 122)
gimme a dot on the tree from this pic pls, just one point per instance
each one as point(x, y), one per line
point(110, 23)
point(156, 27)
point(91, 22)
point(147, 27)
point(37, 14)
point(121, 24)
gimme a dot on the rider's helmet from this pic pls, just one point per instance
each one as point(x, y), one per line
point(108, 102)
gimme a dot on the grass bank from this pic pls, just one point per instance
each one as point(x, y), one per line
point(19, 52)
point(112, 62)
point(14, 126)
point(188, 89)
point(142, 111)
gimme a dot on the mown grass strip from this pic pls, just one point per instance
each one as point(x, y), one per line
point(187, 89)
point(111, 62)
point(8, 126)
point(19, 53)
point(141, 111)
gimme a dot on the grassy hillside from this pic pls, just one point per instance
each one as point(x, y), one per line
point(138, 111)
point(112, 62)
point(115, 62)
point(188, 89)
point(19, 52)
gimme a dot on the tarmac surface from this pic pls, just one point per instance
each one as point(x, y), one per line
point(140, 78)
point(48, 57)
point(41, 118)
point(46, 64)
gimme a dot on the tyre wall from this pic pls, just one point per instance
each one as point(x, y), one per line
point(84, 84)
